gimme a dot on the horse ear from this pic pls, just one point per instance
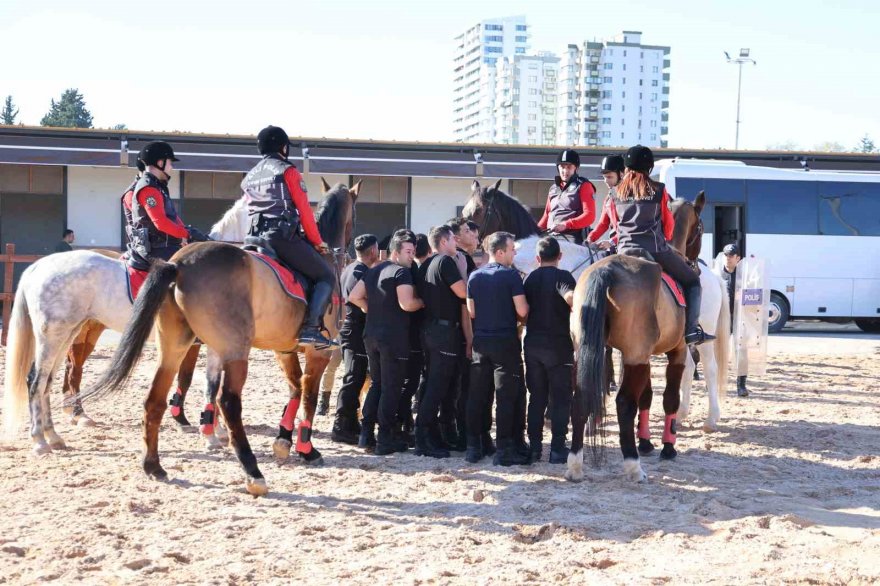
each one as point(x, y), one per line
point(475, 186)
point(354, 189)
point(700, 202)
point(497, 185)
point(325, 187)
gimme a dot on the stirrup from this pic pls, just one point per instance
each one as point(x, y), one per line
point(698, 337)
point(316, 338)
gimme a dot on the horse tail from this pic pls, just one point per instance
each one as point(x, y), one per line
point(722, 341)
point(20, 350)
point(137, 331)
point(591, 356)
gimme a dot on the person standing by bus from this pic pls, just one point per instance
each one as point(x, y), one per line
point(728, 273)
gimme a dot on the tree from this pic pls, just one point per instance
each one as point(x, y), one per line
point(866, 145)
point(830, 147)
point(69, 112)
point(120, 127)
point(788, 145)
point(10, 112)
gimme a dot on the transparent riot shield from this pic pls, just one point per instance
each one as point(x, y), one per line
point(751, 316)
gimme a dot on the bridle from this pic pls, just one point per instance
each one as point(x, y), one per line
point(490, 207)
point(698, 234)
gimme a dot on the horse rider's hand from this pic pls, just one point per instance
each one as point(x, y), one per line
point(557, 228)
point(604, 245)
point(323, 248)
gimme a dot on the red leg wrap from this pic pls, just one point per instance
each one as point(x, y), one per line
point(209, 419)
point(669, 430)
point(304, 437)
point(644, 429)
point(176, 400)
point(287, 420)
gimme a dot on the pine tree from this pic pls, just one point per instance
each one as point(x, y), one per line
point(9, 113)
point(866, 145)
point(68, 112)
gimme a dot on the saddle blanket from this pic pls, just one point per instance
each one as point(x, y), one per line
point(285, 277)
point(675, 289)
point(136, 279)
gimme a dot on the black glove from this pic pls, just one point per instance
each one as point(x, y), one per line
point(196, 235)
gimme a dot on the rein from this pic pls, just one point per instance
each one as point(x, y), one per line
point(489, 209)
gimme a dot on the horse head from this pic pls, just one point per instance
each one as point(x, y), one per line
point(493, 210)
point(687, 237)
point(336, 213)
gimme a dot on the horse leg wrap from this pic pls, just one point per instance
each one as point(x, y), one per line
point(206, 423)
point(669, 430)
point(644, 429)
point(176, 403)
point(289, 416)
point(304, 437)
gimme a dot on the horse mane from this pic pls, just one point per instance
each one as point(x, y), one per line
point(680, 233)
point(232, 227)
point(520, 221)
point(330, 217)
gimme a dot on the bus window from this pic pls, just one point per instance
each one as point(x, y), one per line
point(782, 207)
point(849, 209)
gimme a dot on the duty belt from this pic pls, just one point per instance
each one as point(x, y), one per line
point(446, 322)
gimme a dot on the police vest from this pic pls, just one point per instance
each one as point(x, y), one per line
point(640, 221)
point(267, 193)
point(126, 203)
point(566, 204)
point(141, 221)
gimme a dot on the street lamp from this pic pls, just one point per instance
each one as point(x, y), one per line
point(741, 60)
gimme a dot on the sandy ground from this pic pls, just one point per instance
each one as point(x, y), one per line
point(788, 491)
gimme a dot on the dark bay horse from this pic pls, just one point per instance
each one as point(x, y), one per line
point(621, 302)
point(232, 302)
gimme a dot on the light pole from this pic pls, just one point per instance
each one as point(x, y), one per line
point(741, 60)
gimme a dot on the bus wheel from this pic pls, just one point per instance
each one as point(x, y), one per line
point(779, 313)
point(870, 325)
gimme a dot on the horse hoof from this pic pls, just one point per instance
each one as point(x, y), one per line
point(575, 467)
point(155, 472)
point(645, 447)
point(257, 486)
point(41, 449)
point(58, 444)
point(313, 458)
point(668, 452)
point(709, 427)
point(212, 444)
point(281, 447)
point(222, 433)
point(632, 469)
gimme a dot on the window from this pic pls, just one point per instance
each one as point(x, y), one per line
point(606, 107)
point(622, 136)
point(521, 39)
point(849, 209)
point(608, 66)
point(624, 65)
point(655, 69)
point(654, 97)
point(493, 49)
point(781, 207)
point(642, 55)
point(533, 92)
point(623, 107)
point(640, 82)
point(606, 80)
point(490, 60)
point(532, 130)
point(494, 27)
point(606, 120)
point(533, 78)
point(641, 68)
point(654, 83)
point(533, 104)
point(623, 94)
point(623, 121)
point(521, 28)
point(653, 109)
point(520, 51)
point(606, 134)
point(624, 81)
point(653, 137)
point(493, 39)
point(624, 54)
point(640, 97)
point(533, 116)
point(606, 93)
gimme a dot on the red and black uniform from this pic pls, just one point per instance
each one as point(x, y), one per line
point(570, 204)
point(156, 229)
point(608, 219)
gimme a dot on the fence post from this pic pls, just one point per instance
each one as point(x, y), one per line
point(9, 268)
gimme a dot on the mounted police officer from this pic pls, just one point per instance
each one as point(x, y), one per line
point(612, 169)
point(570, 206)
point(278, 206)
point(155, 230)
point(644, 223)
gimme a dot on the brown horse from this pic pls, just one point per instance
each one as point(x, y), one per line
point(232, 302)
point(621, 302)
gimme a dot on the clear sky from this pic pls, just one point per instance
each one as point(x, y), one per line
point(382, 69)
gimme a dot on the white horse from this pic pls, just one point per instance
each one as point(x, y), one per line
point(55, 297)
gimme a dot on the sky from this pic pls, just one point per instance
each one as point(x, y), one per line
point(382, 69)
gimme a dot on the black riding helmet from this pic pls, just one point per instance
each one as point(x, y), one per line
point(271, 140)
point(569, 156)
point(156, 151)
point(612, 163)
point(140, 161)
point(639, 158)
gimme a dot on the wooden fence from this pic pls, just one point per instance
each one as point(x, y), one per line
point(9, 260)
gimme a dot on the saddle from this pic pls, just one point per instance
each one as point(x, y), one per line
point(293, 282)
point(671, 284)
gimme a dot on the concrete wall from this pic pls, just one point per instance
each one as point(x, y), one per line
point(434, 200)
point(93, 207)
point(313, 183)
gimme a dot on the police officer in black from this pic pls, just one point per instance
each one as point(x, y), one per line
point(346, 428)
point(387, 296)
point(443, 290)
point(496, 301)
point(548, 349)
point(278, 206)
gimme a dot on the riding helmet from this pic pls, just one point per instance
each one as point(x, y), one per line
point(639, 158)
point(569, 156)
point(271, 140)
point(140, 161)
point(612, 163)
point(156, 151)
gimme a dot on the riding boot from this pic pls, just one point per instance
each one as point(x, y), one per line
point(324, 403)
point(425, 447)
point(310, 334)
point(367, 438)
point(343, 431)
point(741, 389)
point(536, 450)
point(558, 451)
point(693, 333)
point(474, 451)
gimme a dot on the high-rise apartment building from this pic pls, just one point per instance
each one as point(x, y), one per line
point(477, 52)
point(525, 99)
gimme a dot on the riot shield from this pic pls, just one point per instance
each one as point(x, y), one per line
point(751, 316)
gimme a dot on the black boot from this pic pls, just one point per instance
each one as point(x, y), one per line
point(324, 403)
point(406, 430)
point(558, 451)
point(741, 389)
point(425, 447)
point(387, 443)
point(693, 333)
point(367, 438)
point(523, 448)
point(536, 449)
point(474, 451)
point(310, 334)
point(507, 455)
point(487, 443)
point(449, 433)
point(344, 432)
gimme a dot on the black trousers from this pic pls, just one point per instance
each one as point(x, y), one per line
point(414, 365)
point(549, 377)
point(497, 366)
point(299, 254)
point(677, 267)
point(443, 349)
point(355, 363)
point(387, 371)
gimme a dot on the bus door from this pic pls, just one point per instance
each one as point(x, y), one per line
point(729, 227)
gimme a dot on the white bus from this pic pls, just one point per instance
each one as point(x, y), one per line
point(819, 230)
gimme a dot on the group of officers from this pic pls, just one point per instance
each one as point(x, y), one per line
point(440, 337)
